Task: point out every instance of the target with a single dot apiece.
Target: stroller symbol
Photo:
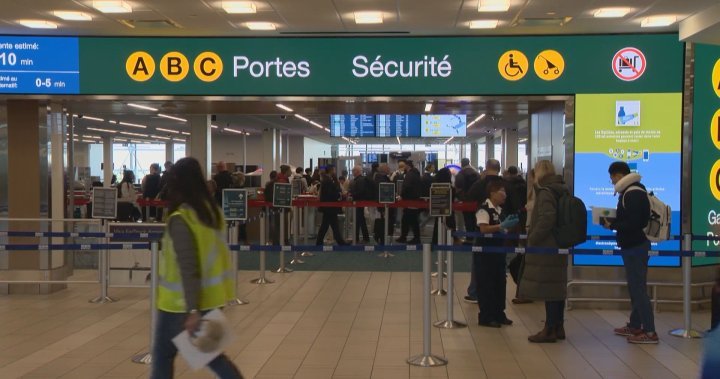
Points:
(550, 66)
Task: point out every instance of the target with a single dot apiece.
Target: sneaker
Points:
(627, 331)
(644, 338)
(470, 299)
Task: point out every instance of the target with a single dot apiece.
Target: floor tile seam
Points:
(385, 305)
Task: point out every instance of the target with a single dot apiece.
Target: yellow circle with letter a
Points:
(140, 66)
(715, 180)
(208, 66)
(174, 66)
(715, 129)
(549, 65)
(716, 78)
(513, 65)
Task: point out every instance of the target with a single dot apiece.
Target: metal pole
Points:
(687, 331)
(146, 358)
(306, 230)
(426, 359)
(386, 239)
(232, 238)
(296, 237)
(440, 272)
(263, 241)
(450, 323)
(104, 267)
(282, 269)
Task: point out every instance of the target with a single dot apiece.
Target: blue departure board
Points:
(39, 65)
(397, 125)
(443, 125)
(352, 125)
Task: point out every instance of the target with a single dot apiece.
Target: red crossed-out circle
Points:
(629, 69)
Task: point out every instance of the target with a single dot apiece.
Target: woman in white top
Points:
(127, 195)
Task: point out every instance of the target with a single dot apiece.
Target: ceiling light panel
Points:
(145, 107)
(483, 24)
(73, 16)
(260, 25)
(38, 24)
(611, 12)
(172, 117)
(493, 5)
(369, 17)
(658, 21)
(107, 6)
(239, 7)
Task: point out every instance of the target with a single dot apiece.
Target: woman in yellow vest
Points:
(195, 273)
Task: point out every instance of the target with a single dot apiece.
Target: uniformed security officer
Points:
(490, 267)
(195, 272)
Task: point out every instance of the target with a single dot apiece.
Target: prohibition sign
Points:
(629, 64)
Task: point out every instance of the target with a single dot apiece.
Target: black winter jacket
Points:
(633, 212)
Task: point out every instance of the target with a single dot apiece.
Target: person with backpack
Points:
(633, 214)
(544, 276)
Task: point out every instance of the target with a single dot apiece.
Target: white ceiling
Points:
(309, 17)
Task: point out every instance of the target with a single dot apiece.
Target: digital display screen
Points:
(397, 125)
(443, 125)
(369, 157)
(352, 125)
(39, 65)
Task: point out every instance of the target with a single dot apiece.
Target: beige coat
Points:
(544, 276)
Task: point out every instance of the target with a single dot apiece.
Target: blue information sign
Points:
(397, 125)
(39, 65)
(352, 125)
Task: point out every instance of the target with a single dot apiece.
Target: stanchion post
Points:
(687, 330)
(232, 240)
(146, 358)
(450, 323)
(104, 268)
(296, 237)
(426, 359)
(386, 238)
(306, 230)
(282, 269)
(263, 241)
(440, 272)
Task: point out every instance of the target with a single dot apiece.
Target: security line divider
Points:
(146, 358)
(450, 322)
(263, 241)
(687, 331)
(296, 235)
(439, 291)
(232, 238)
(514, 236)
(282, 269)
(426, 359)
(306, 230)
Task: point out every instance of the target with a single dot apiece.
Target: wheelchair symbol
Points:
(512, 68)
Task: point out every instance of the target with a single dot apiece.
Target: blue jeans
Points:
(164, 351)
(636, 267)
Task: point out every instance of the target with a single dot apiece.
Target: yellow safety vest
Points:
(216, 273)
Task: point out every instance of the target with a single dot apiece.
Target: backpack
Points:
(658, 227)
(571, 226)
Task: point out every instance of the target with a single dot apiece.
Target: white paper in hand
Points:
(195, 358)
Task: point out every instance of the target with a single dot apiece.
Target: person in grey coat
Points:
(544, 276)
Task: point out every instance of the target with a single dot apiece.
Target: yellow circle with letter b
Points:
(549, 65)
(140, 66)
(208, 66)
(174, 66)
(513, 65)
(715, 129)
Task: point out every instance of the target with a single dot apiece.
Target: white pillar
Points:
(169, 151)
(474, 152)
(490, 147)
(108, 161)
(201, 142)
(278, 149)
(269, 154)
(510, 147)
(56, 120)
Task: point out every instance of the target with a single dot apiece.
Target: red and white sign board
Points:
(629, 64)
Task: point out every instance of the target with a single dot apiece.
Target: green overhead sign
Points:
(536, 65)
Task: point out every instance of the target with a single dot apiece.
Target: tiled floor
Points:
(333, 325)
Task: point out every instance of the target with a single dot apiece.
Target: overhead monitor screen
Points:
(352, 125)
(397, 125)
(443, 125)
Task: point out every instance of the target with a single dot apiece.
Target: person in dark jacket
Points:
(150, 189)
(464, 180)
(361, 190)
(633, 214)
(427, 180)
(544, 276)
(330, 192)
(273, 217)
(223, 179)
(383, 176)
(410, 218)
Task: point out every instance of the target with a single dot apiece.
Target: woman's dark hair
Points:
(128, 177)
(186, 185)
(619, 168)
(443, 176)
(495, 186)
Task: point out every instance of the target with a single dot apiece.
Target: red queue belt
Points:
(302, 203)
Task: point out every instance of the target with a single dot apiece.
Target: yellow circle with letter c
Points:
(715, 180)
(513, 65)
(208, 66)
(140, 66)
